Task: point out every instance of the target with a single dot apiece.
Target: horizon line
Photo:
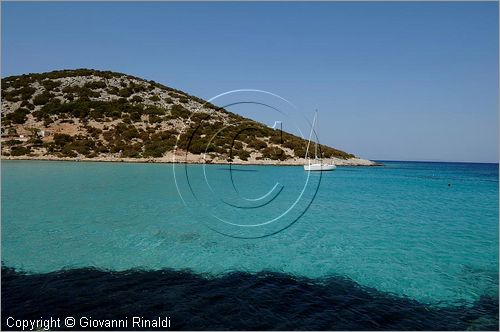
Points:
(435, 161)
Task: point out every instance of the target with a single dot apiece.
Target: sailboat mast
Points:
(316, 141)
(310, 134)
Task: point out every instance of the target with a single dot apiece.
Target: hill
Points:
(103, 115)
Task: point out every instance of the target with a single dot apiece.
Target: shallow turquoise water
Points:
(398, 228)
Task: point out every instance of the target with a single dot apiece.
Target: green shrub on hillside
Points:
(26, 92)
(276, 139)
(135, 117)
(20, 151)
(67, 151)
(177, 111)
(20, 93)
(95, 85)
(256, 144)
(274, 153)
(136, 99)
(88, 109)
(243, 154)
(136, 88)
(113, 90)
(49, 84)
(132, 151)
(12, 142)
(27, 104)
(17, 117)
(62, 139)
(130, 133)
(82, 92)
(35, 141)
(155, 149)
(154, 110)
(43, 98)
(9, 96)
(154, 119)
(125, 92)
(93, 132)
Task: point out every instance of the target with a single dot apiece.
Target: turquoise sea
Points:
(425, 231)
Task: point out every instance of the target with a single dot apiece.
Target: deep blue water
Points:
(408, 245)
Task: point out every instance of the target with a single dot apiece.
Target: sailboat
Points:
(318, 164)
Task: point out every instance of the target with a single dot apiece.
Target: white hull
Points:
(319, 167)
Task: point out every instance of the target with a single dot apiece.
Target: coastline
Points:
(197, 159)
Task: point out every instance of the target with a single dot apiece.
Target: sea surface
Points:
(408, 245)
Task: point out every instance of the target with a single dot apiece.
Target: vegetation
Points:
(49, 84)
(274, 153)
(17, 117)
(43, 98)
(20, 151)
(125, 116)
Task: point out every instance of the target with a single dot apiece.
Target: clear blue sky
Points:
(402, 81)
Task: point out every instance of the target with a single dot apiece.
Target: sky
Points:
(391, 80)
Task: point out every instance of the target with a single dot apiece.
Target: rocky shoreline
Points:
(197, 159)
